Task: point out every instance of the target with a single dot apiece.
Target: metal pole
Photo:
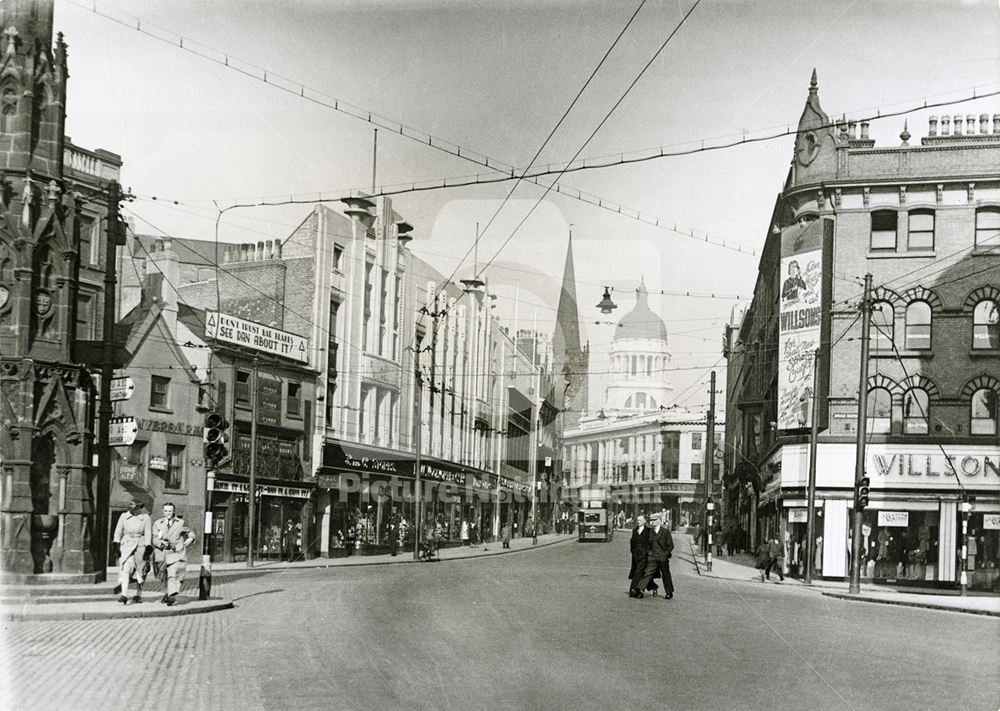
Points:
(417, 444)
(964, 575)
(205, 579)
(535, 421)
(859, 462)
(374, 158)
(102, 523)
(811, 490)
(252, 510)
(710, 465)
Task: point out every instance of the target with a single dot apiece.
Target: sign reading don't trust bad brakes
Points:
(258, 336)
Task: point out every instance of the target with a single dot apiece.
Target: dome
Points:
(641, 322)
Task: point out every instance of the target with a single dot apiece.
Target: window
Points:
(85, 317)
(918, 325)
(696, 472)
(884, 229)
(883, 318)
(367, 315)
(338, 257)
(159, 392)
(986, 325)
(87, 233)
(988, 227)
(696, 440)
(242, 395)
(8, 124)
(628, 402)
(293, 403)
(175, 467)
(984, 412)
(879, 411)
(640, 401)
(921, 230)
(916, 411)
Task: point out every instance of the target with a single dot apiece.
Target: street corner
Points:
(110, 610)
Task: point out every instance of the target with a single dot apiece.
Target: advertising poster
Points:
(799, 319)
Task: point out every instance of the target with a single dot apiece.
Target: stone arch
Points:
(987, 292)
(920, 293)
(924, 383)
(978, 383)
(883, 293)
(880, 380)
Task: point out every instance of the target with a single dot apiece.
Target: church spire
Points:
(567, 315)
(571, 360)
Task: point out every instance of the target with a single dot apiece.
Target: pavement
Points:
(97, 601)
(741, 567)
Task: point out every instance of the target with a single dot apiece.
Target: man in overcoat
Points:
(639, 547)
(133, 537)
(661, 546)
(171, 538)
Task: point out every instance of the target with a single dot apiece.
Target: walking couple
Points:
(651, 547)
(165, 541)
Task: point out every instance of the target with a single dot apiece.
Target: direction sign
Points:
(122, 389)
(122, 431)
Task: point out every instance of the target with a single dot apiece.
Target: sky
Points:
(495, 77)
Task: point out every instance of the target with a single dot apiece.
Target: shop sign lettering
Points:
(907, 465)
(442, 475)
(798, 515)
(259, 336)
(370, 464)
(158, 463)
(182, 428)
(894, 518)
(239, 487)
(991, 522)
(128, 472)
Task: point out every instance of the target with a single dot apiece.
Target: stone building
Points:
(923, 219)
(50, 298)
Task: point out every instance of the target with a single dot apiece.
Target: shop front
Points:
(914, 526)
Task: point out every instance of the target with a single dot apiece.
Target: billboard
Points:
(800, 316)
(250, 334)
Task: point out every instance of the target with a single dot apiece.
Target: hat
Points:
(135, 502)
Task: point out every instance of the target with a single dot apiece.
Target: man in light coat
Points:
(133, 537)
(171, 538)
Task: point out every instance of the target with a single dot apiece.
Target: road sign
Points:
(122, 389)
(122, 431)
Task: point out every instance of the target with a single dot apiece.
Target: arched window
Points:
(884, 229)
(8, 110)
(920, 235)
(640, 401)
(986, 325)
(984, 412)
(988, 227)
(916, 411)
(918, 325)
(628, 403)
(883, 318)
(879, 411)
(652, 403)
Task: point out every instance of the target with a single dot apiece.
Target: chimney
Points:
(864, 130)
(226, 255)
(957, 121)
(932, 126)
(852, 129)
(984, 124)
(164, 266)
(970, 125)
(246, 253)
(945, 125)
(277, 249)
(259, 254)
(996, 124)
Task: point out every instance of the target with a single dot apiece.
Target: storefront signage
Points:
(514, 486)
(991, 522)
(799, 318)
(240, 487)
(894, 518)
(482, 484)
(798, 515)
(158, 463)
(437, 474)
(250, 334)
(936, 465)
(122, 431)
(345, 457)
(128, 472)
(268, 402)
(150, 425)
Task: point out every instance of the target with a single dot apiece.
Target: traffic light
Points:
(862, 497)
(215, 438)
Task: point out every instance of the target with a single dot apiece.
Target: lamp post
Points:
(963, 579)
(811, 488)
(710, 508)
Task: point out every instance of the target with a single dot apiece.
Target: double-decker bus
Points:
(593, 518)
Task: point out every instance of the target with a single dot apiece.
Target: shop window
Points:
(986, 325)
(899, 545)
(984, 412)
(884, 229)
(916, 411)
(159, 392)
(879, 411)
(983, 559)
(918, 326)
(988, 227)
(696, 472)
(293, 403)
(883, 321)
(920, 235)
(242, 394)
(175, 467)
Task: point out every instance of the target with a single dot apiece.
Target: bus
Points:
(594, 518)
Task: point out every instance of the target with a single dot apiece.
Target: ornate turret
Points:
(816, 142)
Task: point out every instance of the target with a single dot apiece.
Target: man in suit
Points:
(639, 547)
(661, 546)
(171, 539)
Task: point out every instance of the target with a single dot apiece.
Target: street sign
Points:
(122, 389)
(122, 431)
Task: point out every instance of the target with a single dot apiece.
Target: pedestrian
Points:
(661, 546)
(717, 539)
(464, 532)
(774, 554)
(393, 533)
(639, 548)
(288, 541)
(505, 535)
(133, 536)
(171, 538)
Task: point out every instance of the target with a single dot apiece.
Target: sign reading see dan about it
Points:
(250, 334)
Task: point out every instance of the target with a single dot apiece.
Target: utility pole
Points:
(859, 461)
(811, 490)
(113, 237)
(709, 469)
(252, 509)
(536, 417)
(418, 426)
(205, 578)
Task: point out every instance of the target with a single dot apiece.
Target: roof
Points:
(641, 322)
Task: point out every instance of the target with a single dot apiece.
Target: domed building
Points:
(640, 380)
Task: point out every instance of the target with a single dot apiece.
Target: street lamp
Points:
(966, 507)
(607, 305)
(710, 507)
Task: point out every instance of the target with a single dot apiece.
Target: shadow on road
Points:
(262, 592)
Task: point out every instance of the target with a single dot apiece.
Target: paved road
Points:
(546, 629)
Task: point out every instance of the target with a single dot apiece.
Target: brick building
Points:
(924, 220)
